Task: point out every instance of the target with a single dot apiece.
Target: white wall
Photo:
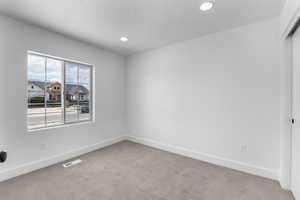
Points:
(285, 112)
(26, 149)
(288, 18)
(211, 96)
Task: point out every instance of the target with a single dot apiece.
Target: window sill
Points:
(34, 131)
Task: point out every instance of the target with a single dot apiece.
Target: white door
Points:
(296, 113)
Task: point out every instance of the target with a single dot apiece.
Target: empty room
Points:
(150, 100)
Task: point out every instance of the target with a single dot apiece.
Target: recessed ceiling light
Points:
(124, 39)
(207, 5)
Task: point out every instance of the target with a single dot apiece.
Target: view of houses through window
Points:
(59, 91)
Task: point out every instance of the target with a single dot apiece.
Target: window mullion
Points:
(78, 106)
(63, 91)
(45, 92)
(91, 92)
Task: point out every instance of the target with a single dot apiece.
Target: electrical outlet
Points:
(3, 156)
(244, 148)
(43, 147)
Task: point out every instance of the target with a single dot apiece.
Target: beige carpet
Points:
(129, 171)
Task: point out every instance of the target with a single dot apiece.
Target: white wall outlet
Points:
(244, 148)
(43, 147)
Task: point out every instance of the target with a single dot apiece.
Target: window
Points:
(59, 92)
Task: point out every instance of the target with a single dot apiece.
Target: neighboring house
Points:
(74, 93)
(54, 91)
(35, 90)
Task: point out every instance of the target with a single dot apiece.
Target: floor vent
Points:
(72, 163)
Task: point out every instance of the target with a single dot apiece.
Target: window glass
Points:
(84, 83)
(59, 92)
(36, 91)
(54, 107)
(71, 92)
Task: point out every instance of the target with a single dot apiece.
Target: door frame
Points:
(286, 95)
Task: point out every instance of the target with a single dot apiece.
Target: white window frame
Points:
(91, 95)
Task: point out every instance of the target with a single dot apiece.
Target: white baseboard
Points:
(244, 167)
(284, 184)
(26, 168)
